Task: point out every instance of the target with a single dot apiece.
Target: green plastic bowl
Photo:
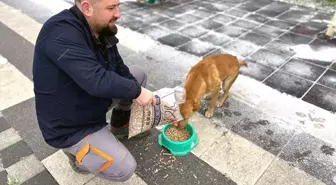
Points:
(178, 148)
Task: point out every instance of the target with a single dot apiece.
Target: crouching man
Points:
(77, 75)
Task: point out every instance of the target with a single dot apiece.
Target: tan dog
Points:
(204, 81)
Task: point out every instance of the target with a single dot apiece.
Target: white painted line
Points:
(3, 60)
(15, 87)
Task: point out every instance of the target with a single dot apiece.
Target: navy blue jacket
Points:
(75, 77)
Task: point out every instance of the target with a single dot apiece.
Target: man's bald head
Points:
(100, 14)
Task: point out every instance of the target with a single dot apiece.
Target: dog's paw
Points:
(207, 96)
(208, 114)
(219, 103)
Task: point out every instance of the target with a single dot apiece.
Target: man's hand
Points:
(146, 97)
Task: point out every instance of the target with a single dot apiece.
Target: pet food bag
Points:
(166, 110)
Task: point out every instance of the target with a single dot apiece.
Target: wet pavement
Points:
(282, 43)
(258, 137)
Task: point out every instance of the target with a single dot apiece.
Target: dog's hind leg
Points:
(226, 87)
(209, 113)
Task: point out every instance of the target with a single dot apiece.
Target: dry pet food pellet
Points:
(178, 135)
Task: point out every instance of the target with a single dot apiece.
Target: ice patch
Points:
(323, 54)
(3, 60)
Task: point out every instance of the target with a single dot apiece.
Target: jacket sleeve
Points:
(70, 52)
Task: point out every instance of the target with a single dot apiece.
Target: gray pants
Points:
(102, 153)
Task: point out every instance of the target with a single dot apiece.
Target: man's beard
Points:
(108, 30)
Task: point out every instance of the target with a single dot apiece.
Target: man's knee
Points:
(139, 73)
(121, 172)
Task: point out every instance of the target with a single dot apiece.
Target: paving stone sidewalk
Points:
(277, 40)
(240, 145)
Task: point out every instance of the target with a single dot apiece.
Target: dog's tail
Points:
(242, 63)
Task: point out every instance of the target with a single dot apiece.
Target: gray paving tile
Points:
(256, 38)
(231, 31)
(181, 1)
(269, 58)
(188, 18)
(126, 7)
(3, 176)
(41, 179)
(26, 124)
(141, 13)
(154, 18)
(242, 48)
(280, 47)
(19, 55)
(295, 16)
(245, 24)
(318, 25)
(26, 168)
(124, 20)
(333, 67)
(328, 79)
(169, 13)
(198, 48)
(255, 70)
(193, 31)
(304, 29)
(155, 32)
(12, 154)
(217, 7)
(181, 9)
(172, 24)
(322, 16)
(155, 168)
(322, 97)
(8, 138)
(137, 25)
(288, 83)
(281, 24)
(202, 13)
(236, 12)
(215, 38)
(252, 6)
(265, 131)
(257, 18)
(269, 31)
(303, 69)
(174, 40)
(200, 4)
(274, 9)
(209, 24)
(223, 19)
(317, 45)
(4, 125)
(311, 155)
(293, 38)
(229, 114)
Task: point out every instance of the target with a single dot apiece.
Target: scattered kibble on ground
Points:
(176, 134)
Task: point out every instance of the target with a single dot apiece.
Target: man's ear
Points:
(86, 8)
